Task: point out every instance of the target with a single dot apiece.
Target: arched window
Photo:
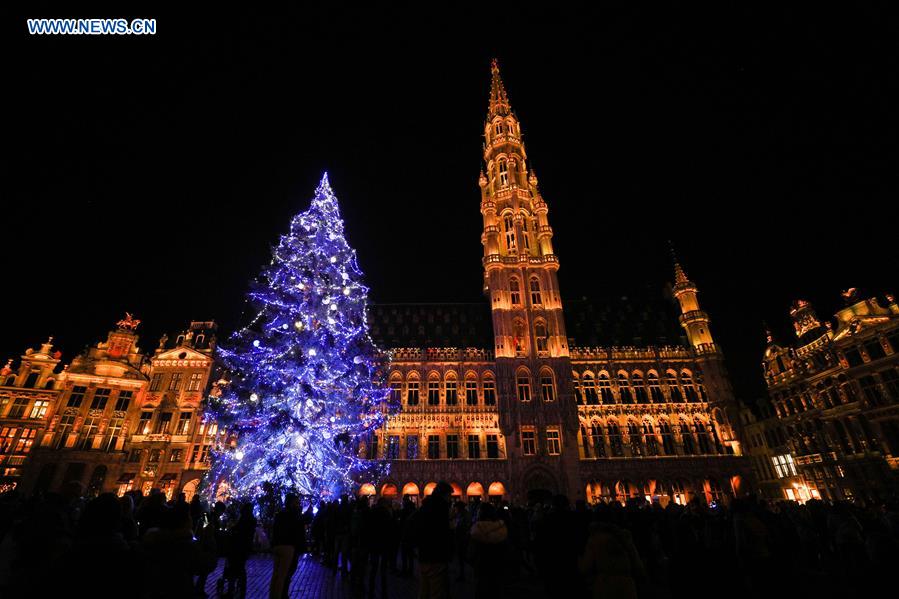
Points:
(605, 389)
(686, 379)
(471, 389)
(489, 390)
(590, 390)
(703, 437)
(598, 439)
(433, 389)
(498, 127)
(541, 336)
(523, 386)
(412, 391)
(655, 390)
(509, 226)
(525, 235)
(536, 296)
(652, 446)
(520, 338)
(585, 442)
(547, 386)
(687, 439)
(624, 388)
(503, 173)
(451, 389)
(615, 439)
(667, 438)
(673, 387)
(639, 388)
(396, 388)
(636, 438)
(515, 291)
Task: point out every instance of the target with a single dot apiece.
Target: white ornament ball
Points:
(333, 259)
(238, 454)
(254, 397)
(312, 352)
(255, 342)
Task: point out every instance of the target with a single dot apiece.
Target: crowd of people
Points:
(64, 543)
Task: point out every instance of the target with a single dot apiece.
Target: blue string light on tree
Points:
(307, 382)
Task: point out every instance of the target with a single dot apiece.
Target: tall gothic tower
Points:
(530, 343)
(695, 321)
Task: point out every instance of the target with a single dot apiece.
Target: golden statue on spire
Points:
(128, 323)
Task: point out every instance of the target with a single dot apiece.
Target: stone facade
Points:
(535, 414)
(120, 420)
(835, 394)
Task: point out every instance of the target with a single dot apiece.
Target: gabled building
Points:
(835, 391)
(28, 395)
(118, 420)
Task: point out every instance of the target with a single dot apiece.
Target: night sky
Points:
(152, 174)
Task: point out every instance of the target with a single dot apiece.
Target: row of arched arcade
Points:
(678, 490)
(474, 490)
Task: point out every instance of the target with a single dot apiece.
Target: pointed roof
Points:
(679, 275)
(499, 100)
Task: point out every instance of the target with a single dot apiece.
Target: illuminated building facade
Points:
(532, 412)
(120, 420)
(835, 394)
(27, 395)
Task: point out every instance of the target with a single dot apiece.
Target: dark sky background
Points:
(152, 174)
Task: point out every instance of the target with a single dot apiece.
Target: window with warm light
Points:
(784, 466)
(553, 442)
(184, 419)
(193, 383)
(396, 392)
(39, 410)
(175, 382)
(156, 382)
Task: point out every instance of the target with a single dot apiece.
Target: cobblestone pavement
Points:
(313, 580)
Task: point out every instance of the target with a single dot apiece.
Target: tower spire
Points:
(679, 275)
(499, 99)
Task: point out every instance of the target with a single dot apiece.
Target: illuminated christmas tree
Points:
(306, 381)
